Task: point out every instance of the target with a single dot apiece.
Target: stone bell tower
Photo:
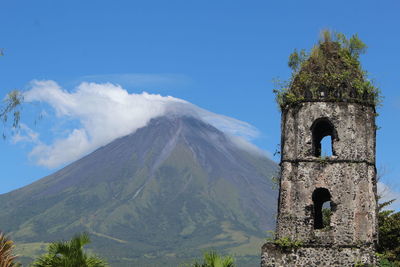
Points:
(327, 204)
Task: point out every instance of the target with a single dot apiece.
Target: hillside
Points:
(153, 198)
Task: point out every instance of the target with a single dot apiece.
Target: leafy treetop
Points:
(389, 234)
(213, 259)
(331, 71)
(69, 254)
(10, 107)
(7, 256)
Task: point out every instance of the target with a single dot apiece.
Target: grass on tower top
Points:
(330, 71)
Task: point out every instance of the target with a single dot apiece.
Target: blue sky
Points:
(218, 55)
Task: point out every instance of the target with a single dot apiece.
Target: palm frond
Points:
(7, 257)
(69, 254)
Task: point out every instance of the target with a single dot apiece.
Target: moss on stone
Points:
(286, 243)
(330, 72)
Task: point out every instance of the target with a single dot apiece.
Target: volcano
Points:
(157, 197)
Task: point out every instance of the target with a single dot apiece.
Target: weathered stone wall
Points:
(349, 175)
(353, 197)
(273, 256)
(354, 123)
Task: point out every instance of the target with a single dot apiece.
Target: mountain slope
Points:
(168, 190)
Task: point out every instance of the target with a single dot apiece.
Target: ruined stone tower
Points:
(327, 204)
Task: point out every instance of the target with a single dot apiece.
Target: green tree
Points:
(213, 259)
(69, 254)
(7, 256)
(326, 217)
(11, 106)
(389, 235)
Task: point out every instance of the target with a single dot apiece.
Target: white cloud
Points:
(387, 193)
(246, 145)
(25, 134)
(107, 111)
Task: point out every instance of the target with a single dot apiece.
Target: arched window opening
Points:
(322, 208)
(323, 128)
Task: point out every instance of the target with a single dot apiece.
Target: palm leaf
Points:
(7, 257)
(69, 254)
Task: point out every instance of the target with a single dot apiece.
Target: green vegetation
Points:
(389, 236)
(11, 105)
(7, 256)
(331, 71)
(213, 259)
(69, 254)
(386, 263)
(285, 243)
(326, 218)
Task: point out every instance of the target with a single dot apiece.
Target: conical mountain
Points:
(152, 198)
